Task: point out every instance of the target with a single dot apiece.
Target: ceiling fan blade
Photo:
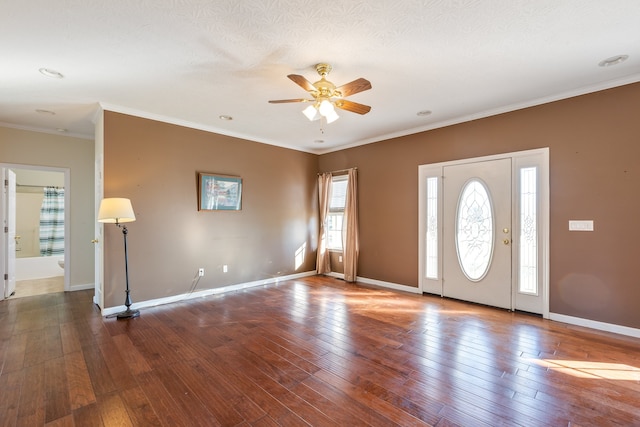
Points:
(355, 86)
(302, 82)
(282, 101)
(354, 107)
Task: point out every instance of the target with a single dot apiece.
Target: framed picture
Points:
(219, 192)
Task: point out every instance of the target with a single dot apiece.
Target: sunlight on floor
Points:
(593, 370)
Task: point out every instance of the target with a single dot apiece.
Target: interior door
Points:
(477, 232)
(9, 220)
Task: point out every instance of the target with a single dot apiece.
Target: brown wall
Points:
(594, 149)
(155, 165)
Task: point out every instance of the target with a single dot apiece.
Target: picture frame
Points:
(219, 192)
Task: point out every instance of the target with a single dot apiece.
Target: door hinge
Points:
(6, 276)
(6, 183)
(6, 229)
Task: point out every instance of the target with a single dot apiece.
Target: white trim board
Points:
(81, 287)
(394, 286)
(380, 283)
(594, 324)
(205, 292)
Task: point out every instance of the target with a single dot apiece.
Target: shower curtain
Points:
(52, 222)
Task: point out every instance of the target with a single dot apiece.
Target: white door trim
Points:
(435, 285)
(67, 213)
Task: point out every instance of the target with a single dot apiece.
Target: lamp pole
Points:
(128, 313)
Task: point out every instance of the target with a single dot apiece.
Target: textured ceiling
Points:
(190, 61)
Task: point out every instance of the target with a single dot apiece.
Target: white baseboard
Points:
(84, 287)
(593, 324)
(205, 292)
(390, 285)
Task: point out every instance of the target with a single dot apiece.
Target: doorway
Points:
(484, 230)
(35, 244)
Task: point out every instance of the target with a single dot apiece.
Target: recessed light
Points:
(424, 113)
(223, 117)
(51, 113)
(51, 73)
(614, 60)
(319, 141)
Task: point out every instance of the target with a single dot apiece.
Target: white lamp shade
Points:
(332, 116)
(326, 108)
(116, 210)
(311, 112)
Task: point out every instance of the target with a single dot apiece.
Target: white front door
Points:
(484, 230)
(477, 232)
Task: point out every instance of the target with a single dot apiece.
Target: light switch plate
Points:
(580, 225)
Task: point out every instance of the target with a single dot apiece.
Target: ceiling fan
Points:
(326, 95)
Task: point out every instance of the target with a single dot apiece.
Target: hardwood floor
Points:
(314, 351)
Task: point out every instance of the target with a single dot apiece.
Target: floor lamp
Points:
(118, 211)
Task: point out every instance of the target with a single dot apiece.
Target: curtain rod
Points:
(340, 170)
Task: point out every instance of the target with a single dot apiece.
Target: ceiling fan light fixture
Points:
(326, 96)
(312, 113)
(326, 108)
(332, 116)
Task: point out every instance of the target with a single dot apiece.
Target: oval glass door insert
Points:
(474, 230)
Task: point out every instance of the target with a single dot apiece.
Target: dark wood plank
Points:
(138, 407)
(11, 388)
(220, 396)
(62, 422)
(15, 353)
(69, 337)
(130, 354)
(193, 394)
(113, 410)
(254, 393)
(57, 402)
(79, 383)
(31, 410)
(163, 404)
(88, 416)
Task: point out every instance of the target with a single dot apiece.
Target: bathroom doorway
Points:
(35, 250)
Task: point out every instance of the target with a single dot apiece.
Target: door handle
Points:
(94, 241)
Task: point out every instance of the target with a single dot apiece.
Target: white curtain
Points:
(52, 222)
(324, 195)
(350, 237)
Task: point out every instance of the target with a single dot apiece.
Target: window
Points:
(528, 281)
(336, 212)
(474, 230)
(432, 228)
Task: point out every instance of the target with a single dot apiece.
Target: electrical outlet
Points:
(225, 268)
(201, 272)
